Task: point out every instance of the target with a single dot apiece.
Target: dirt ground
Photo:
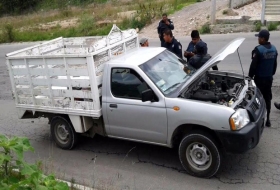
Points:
(194, 16)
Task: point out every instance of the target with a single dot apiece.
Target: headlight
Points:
(239, 119)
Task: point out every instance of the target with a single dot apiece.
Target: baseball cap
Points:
(201, 47)
(143, 40)
(263, 34)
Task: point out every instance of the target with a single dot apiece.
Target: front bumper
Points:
(248, 137)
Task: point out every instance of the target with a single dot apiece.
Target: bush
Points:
(15, 173)
(205, 29)
(272, 26)
(8, 33)
(16, 6)
(258, 26)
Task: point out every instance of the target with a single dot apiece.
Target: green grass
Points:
(272, 26)
(258, 26)
(38, 25)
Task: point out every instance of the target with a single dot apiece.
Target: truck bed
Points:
(64, 75)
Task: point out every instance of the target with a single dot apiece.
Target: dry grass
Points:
(93, 19)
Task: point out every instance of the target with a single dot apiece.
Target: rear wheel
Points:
(199, 155)
(63, 132)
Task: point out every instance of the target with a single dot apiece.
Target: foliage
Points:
(225, 12)
(205, 29)
(15, 173)
(272, 26)
(96, 18)
(258, 26)
(16, 6)
(8, 33)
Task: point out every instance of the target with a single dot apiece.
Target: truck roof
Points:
(137, 56)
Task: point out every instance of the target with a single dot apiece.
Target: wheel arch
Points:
(181, 131)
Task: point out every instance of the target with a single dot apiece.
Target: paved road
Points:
(116, 164)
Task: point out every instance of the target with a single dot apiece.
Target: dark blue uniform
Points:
(263, 67)
(191, 48)
(175, 47)
(161, 27)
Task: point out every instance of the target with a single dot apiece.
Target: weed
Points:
(205, 29)
(17, 174)
(87, 25)
(272, 26)
(225, 12)
(9, 33)
(258, 26)
(66, 13)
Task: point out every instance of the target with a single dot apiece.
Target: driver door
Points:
(129, 117)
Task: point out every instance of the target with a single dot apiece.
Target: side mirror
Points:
(147, 95)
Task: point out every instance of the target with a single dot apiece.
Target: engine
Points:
(222, 90)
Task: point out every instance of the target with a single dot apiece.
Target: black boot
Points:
(277, 105)
(268, 124)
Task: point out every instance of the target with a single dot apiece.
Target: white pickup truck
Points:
(112, 87)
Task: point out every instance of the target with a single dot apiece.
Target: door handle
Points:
(113, 106)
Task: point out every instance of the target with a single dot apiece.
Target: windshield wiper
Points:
(172, 86)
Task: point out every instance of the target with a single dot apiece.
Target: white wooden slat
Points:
(76, 50)
(21, 81)
(54, 82)
(83, 105)
(50, 71)
(78, 72)
(17, 62)
(54, 61)
(24, 91)
(58, 102)
(20, 71)
(76, 60)
(67, 93)
(59, 71)
(35, 61)
(70, 111)
(44, 91)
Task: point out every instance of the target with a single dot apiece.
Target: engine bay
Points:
(219, 88)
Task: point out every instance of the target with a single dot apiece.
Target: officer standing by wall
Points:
(171, 43)
(164, 24)
(263, 67)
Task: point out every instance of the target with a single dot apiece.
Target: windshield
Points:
(167, 71)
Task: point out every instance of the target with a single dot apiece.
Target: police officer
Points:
(263, 67)
(164, 24)
(201, 56)
(191, 47)
(171, 43)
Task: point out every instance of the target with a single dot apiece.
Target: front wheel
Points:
(199, 155)
(63, 133)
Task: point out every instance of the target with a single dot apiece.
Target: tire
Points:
(199, 155)
(63, 133)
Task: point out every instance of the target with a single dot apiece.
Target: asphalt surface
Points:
(114, 164)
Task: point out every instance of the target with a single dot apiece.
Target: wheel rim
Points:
(199, 156)
(61, 133)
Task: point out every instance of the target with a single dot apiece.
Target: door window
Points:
(127, 83)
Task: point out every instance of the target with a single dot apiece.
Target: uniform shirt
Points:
(162, 26)
(256, 61)
(198, 60)
(175, 47)
(191, 48)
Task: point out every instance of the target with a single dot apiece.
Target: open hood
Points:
(218, 57)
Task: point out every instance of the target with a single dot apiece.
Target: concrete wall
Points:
(239, 3)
